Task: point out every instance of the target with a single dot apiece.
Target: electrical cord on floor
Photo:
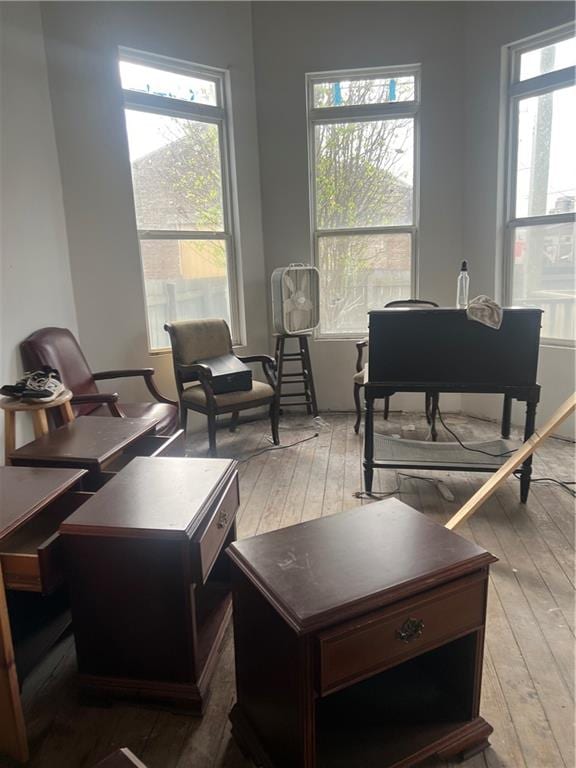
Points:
(565, 484)
(468, 447)
(442, 489)
(277, 448)
(374, 494)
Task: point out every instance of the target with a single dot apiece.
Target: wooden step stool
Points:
(302, 376)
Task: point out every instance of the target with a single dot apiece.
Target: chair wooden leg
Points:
(357, 388)
(234, 421)
(183, 418)
(9, 434)
(67, 413)
(40, 421)
(386, 408)
(428, 407)
(279, 354)
(274, 418)
(212, 434)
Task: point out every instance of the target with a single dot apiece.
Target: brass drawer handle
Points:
(222, 520)
(410, 630)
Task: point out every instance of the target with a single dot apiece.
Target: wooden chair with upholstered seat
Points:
(196, 340)
(58, 348)
(361, 367)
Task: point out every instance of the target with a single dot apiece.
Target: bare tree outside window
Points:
(362, 153)
(176, 129)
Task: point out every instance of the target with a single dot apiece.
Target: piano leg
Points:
(506, 415)
(369, 445)
(434, 398)
(526, 472)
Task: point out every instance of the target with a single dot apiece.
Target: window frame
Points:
(516, 90)
(216, 115)
(360, 113)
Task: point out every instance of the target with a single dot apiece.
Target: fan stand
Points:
(290, 378)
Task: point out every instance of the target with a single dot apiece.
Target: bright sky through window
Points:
(172, 85)
(176, 126)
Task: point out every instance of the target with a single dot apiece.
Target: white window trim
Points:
(219, 115)
(357, 113)
(516, 89)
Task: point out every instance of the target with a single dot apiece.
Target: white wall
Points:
(35, 284)
(82, 42)
(489, 27)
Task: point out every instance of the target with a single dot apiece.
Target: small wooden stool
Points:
(303, 376)
(11, 406)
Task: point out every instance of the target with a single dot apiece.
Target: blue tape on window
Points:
(337, 95)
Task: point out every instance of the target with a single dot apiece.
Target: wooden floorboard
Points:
(528, 681)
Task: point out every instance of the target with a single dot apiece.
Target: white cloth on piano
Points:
(485, 310)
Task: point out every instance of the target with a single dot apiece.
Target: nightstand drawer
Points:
(158, 445)
(208, 541)
(31, 557)
(371, 643)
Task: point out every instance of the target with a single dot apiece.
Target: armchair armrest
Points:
(98, 398)
(268, 366)
(146, 373)
(360, 346)
(199, 369)
(203, 375)
(123, 373)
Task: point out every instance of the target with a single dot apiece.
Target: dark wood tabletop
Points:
(25, 491)
(86, 441)
(345, 563)
(153, 497)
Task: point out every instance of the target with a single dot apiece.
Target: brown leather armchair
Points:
(58, 348)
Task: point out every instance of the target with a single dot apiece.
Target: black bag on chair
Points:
(228, 374)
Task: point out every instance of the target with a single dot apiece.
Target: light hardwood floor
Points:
(528, 672)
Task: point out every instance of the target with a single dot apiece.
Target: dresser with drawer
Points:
(149, 582)
(33, 607)
(359, 641)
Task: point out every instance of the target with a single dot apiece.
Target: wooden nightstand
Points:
(102, 447)
(359, 641)
(149, 582)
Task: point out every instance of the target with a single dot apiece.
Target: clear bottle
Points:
(463, 287)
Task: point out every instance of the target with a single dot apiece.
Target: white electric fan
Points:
(295, 299)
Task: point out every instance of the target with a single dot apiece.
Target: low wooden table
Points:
(11, 406)
(102, 446)
(33, 502)
(359, 641)
(148, 579)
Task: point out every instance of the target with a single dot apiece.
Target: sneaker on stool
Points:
(43, 387)
(15, 390)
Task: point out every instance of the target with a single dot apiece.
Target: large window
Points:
(177, 136)
(540, 235)
(362, 153)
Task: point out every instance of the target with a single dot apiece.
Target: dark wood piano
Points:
(440, 350)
